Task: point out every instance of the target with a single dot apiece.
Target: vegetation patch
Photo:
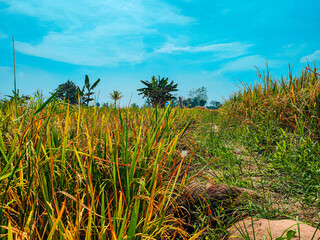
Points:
(88, 172)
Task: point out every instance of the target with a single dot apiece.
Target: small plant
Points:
(290, 234)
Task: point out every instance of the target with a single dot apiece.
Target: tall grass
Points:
(74, 172)
(279, 119)
(291, 102)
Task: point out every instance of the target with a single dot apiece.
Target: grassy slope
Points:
(268, 141)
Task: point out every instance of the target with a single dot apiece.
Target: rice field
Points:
(78, 172)
(73, 172)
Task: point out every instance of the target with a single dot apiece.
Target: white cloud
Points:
(289, 45)
(170, 48)
(3, 35)
(244, 64)
(81, 12)
(4, 69)
(249, 63)
(96, 33)
(79, 50)
(312, 57)
(224, 50)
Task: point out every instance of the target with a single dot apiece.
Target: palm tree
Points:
(115, 96)
(158, 91)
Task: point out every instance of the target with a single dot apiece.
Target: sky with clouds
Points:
(196, 43)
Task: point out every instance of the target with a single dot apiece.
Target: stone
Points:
(217, 194)
(277, 228)
(199, 195)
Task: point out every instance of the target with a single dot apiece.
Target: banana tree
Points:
(86, 91)
(158, 91)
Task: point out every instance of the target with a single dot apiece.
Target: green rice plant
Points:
(76, 172)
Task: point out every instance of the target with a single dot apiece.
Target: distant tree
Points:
(147, 103)
(68, 91)
(106, 105)
(16, 96)
(197, 97)
(86, 91)
(175, 102)
(134, 105)
(116, 96)
(214, 105)
(158, 91)
(187, 102)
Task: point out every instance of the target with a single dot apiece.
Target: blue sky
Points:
(193, 42)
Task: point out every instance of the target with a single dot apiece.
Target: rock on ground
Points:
(265, 227)
(216, 194)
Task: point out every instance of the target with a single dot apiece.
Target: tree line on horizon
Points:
(157, 92)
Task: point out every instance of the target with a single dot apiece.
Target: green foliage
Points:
(134, 105)
(91, 173)
(214, 105)
(197, 97)
(68, 91)
(147, 103)
(188, 103)
(43, 105)
(290, 235)
(279, 120)
(86, 92)
(292, 103)
(116, 96)
(174, 102)
(107, 173)
(16, 97)
(158, 91)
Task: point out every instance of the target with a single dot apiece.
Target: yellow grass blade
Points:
(56, 222)
(197, 234)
